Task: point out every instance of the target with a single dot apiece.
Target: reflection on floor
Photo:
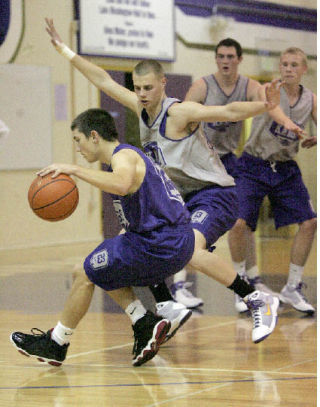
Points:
(211, 362)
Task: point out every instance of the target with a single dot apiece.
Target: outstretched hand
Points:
(55, 38)
(272, 91)
(294, 128)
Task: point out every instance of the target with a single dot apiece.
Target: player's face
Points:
(292, 67)
(85, 146)
(149, 88)
(227, 60)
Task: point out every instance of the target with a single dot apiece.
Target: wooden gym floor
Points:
(210, 362)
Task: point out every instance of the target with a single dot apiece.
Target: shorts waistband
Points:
(268, 163)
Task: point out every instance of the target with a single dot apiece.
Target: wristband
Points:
(65, 51)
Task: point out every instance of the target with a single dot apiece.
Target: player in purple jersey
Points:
(267, 168)
(157, 242)
(222, 87)
(182, 121)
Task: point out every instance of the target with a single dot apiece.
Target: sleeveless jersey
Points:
(157, 202)
(271, 141)
(224, 136)
(191, 163)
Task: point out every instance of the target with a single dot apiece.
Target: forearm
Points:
(237, 111)
(92, 72)
(106, 181)
(278, 116)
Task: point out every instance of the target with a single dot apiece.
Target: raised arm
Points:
(96, 75)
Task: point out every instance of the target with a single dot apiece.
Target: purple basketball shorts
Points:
(133, 259)
(283, 184)
(214, 211)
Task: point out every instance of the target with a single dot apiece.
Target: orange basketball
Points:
(53, 199)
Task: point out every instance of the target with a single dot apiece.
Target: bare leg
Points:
(237, 238)
(210, 263)
(303, 242)
(80, 298)
(251, 257)
(123, 296)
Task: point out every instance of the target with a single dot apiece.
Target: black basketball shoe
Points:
(40, 345)
(149, 333)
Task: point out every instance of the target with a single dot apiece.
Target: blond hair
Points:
(147, 66)
(295, 51)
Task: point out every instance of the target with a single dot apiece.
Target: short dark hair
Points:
(96, 119)
(149, 65)
(230, 42)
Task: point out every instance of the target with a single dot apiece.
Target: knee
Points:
(79, 276)
(240, 227)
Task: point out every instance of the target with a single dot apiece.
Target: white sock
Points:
(295, 275)
(240, 267)
(61, 334)
(135, 311)
(180, 276)
(253, 272)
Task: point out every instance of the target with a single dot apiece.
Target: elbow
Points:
(122, 189)
(123, 192)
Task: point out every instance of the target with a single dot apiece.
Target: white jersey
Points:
(224, 136)
(271, 141)
(190, 162)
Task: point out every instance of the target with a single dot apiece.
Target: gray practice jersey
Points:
(271, 141)
(224, 136)
(190, 162)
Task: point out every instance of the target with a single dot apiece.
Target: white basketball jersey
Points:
(191, 163)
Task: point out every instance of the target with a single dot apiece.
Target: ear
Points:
(95, 136)
(240, 59)
(164, 81)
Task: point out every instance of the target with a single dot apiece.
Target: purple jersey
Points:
(157, 202)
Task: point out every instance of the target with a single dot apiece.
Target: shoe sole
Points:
(285, 301)
(274, 310)
(182, 322)
(51, 362)
(151, 349)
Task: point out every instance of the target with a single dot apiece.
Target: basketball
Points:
(53, 199)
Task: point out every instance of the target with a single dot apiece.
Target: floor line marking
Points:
(131, 343)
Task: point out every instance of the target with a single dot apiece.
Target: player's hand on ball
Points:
(57, 169)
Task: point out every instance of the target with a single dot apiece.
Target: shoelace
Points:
(33, 331)
(257, 319)
(254, 306)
